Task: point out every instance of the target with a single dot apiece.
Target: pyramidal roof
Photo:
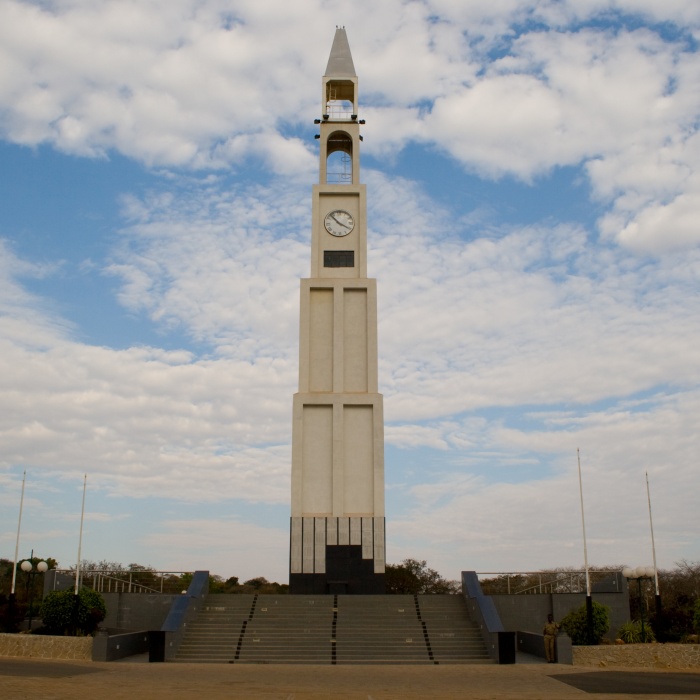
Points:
(340, 61)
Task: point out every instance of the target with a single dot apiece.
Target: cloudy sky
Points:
(533, 187)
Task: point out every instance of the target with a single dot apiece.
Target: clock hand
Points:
(339, 222)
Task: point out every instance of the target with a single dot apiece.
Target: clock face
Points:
(339, 223)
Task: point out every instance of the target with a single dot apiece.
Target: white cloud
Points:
(561, 98)
(225, 267)
(162, 82)
(149, 421)
(25, 318)
(665, 226)
(409, 436)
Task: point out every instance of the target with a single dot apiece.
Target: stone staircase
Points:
(215, 635)
(453, 637)
(379, 629)
(288, 630)
(341, 629)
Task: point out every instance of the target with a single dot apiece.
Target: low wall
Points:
(40, 646)
(641, 655)
(110, 647)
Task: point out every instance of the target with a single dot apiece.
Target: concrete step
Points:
(333, 630)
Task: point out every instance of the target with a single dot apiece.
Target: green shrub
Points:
(628, 633)
(575, 624)
(631, 632)
(696, 616)
(59, 614)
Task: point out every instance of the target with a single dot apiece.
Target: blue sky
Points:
(533, 191)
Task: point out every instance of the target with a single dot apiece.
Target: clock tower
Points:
(337, 521)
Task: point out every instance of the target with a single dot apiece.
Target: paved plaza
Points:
(56, 680)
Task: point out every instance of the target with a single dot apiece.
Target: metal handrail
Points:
(134, 587)
(124, 580)
(541, 586)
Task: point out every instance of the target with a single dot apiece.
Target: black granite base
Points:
(346, 572)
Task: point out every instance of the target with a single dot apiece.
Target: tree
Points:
(679, 588)
(575, 624)
(413, 577)
(60, 616)
(261, 585)
(257, 583)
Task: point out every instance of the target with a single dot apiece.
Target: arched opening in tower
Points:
(339, 161)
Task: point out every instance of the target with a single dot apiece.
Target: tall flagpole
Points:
(589, 600)
(583, 525)
(653, 546)
(19, 525)
(80, 538)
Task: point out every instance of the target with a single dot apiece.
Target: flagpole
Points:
(80, 538)
(19, 525)
(583, 525)
(589, 600)
(651, 527)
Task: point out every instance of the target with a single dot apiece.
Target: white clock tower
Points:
(337, 524)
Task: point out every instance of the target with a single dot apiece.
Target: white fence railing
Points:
(538, 582)
(137, 581)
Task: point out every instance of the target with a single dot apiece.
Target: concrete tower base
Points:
(337, 555)
(347, 573)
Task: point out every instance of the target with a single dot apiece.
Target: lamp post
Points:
(28, 568)
(641, 573)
